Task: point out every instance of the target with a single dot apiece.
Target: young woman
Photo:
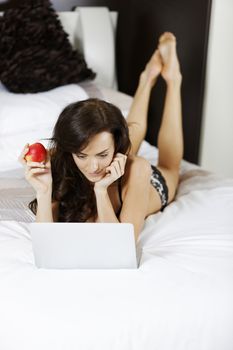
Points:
(93, 172)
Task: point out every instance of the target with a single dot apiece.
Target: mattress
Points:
(179, 298)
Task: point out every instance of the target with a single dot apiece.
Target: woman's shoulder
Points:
(136, 168)
(137, 163)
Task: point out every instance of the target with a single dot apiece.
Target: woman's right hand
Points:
(37, 174)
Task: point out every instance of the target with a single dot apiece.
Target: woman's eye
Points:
(103, 155)
(80, 156)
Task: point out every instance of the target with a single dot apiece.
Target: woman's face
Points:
(93, 160)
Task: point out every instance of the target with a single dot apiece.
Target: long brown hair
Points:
(76, 125)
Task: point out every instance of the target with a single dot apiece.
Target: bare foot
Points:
(167, 49)
(152, 69)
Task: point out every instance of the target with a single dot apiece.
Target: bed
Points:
(179, 298)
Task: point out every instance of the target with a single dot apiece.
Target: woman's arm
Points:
(113, 172)
(104, 206)
(136, 197)
(39, 176)
(44, 207)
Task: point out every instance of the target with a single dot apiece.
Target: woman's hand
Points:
(113, 172)
(37, 174)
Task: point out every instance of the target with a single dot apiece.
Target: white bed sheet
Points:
(180, 297)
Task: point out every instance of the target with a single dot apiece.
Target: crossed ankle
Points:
(175, 80)
(146, 80)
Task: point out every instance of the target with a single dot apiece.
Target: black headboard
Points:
(139, 27)
(138, 32)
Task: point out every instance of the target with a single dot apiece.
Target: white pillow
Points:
(20, 112)
(28, 118)
(11, 146)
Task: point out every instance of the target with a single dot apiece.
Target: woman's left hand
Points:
(113, 172)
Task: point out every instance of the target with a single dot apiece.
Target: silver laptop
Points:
(84, 245)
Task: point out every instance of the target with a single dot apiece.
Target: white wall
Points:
(216, 151)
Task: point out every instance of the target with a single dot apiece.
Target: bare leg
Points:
(170, 137)
(137, 118)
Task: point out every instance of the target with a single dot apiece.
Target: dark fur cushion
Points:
(35, 53)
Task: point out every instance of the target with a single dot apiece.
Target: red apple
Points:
(36, 153)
